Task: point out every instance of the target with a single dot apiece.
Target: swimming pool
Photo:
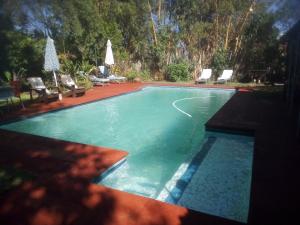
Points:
(162, 128)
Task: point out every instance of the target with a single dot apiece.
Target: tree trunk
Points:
(217, 23)
(227, 33)
(153, 24)
(159, 10)
(239, 32)
(198, 66)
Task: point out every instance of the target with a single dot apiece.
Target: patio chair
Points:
(98, 81)
(204, 76)
(226, 75)
(69, 83)
(112, 78)
(37, 85)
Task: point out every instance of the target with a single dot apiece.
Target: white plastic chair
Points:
(205, 76)
(226, 75)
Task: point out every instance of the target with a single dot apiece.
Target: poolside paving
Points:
(63, 193)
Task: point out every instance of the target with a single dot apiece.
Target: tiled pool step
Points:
(176, 186)
(217, 181)
(137, 185)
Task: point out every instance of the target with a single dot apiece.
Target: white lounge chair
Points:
(113, 78)
(39, 87)
(69, 83)
(204, 77)
(226, 75)
(98, 81)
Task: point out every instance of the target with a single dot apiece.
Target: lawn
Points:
(25, 96)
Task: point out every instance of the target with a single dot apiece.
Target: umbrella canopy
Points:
(51, 59)
(109, 58)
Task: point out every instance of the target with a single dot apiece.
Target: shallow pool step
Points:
(174, 189)
(137, 185)
(221, 184)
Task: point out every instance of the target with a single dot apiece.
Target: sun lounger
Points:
(226, 75)
(113, 78)
(204, 77)
(39, 87)
(98, 81)
(69, 83)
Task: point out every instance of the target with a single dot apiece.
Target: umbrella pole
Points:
(59, 93)
(55, 80)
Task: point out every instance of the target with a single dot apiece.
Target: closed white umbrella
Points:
(109, 58)
(51, 59)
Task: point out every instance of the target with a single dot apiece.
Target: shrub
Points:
(220, 61)
(84, 81)
(8, 76)
(177, 72)
(86, 67)
(69, 67)
(145, 75)
(131, 75)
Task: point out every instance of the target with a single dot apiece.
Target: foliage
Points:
(145, 75)
(220, 61)
(8, 76)
(131, 75)
(69, 67)
(21, 53)
(214, 32)
(83, 81)
(86, 67)
(177, 72)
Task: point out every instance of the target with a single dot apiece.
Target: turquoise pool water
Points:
(162, 128)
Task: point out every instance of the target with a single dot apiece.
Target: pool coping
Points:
(195, 214)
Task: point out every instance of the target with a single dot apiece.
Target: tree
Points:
(156, 33)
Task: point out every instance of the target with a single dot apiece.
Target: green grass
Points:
(25, 96)
(11, 177)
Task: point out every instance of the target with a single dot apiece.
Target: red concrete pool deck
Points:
(93, 94)
(63, 193)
